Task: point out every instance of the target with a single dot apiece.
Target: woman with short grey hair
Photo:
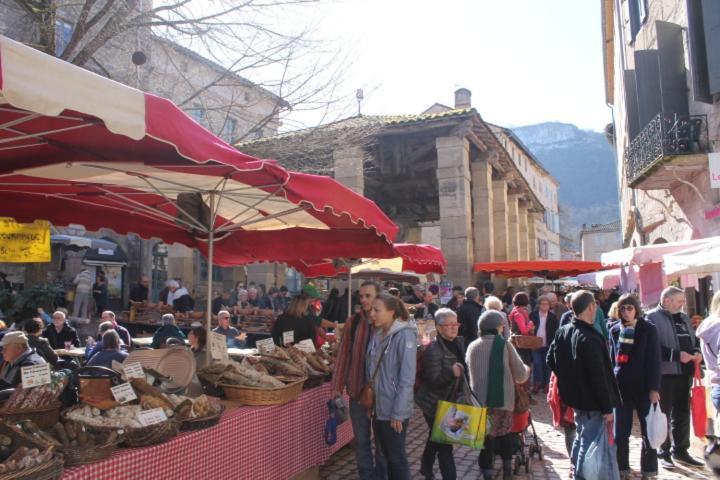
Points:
(494, 303)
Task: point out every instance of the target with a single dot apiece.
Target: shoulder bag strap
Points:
(377, 365)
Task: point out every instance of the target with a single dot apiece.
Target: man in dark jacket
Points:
(678, 352)
(168, 330)
(60, 332)
(109, 316)
(16, 354)
(33, 328)
(443, 363)
(469, 313)
(546, 325)
(579, 357)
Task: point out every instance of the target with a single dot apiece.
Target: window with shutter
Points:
(631, 104)
(638, 14)
(697, 52)
(711, 25)
(647, 82)
(671, 63)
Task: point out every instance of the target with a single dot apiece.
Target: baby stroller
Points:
(526, 442)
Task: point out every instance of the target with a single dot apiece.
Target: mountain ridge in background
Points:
(584, 163)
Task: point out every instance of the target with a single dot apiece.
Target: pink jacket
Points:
(521, 318)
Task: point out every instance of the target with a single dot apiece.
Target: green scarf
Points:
(496, 375)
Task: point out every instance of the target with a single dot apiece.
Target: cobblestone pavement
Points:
(555, 464)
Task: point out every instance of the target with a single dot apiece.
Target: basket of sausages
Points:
(23, 457)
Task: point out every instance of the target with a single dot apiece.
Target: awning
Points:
(649, 253)
(113, 256)
(697, 260)
(605, 279)
(550, 269)
(81, 242)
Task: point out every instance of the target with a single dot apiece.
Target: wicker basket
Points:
(84, 455)
(261, 396)
(202, 422)
(527, 342)
(50, 470)
(44, 417)
(154, 434)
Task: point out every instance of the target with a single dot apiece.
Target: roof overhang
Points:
(608, 47)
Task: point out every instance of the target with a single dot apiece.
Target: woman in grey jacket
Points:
(392, 351)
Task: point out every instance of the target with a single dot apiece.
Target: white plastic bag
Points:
(656, 426)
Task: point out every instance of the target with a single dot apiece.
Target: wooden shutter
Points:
(631, 104)
(671, 63)
(711, 25)
(647, 82)
(697, 52)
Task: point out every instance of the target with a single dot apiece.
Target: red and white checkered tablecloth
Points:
(259, 443)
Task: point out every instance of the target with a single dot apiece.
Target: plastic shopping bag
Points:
(698, 407)
(600, 461)
(656, 426)
(460, 424)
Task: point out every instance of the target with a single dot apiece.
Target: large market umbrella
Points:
(76, 147)
(551, 269)
(650, 253)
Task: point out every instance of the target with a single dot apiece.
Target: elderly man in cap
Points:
(168, 330)
(16, 354)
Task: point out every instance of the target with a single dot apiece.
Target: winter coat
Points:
(57, 339)
(396, 376)
(551, 325)
(468, 315)
(709, 334)
(437, 377)
(579, 357)
(642, 372)
(668, 337)
(10, 373)
(165, 332)
(104, 358)
(43, 348)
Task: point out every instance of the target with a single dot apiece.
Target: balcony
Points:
(670, 148)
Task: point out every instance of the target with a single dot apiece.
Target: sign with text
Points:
(24, 242)
(218, 346)
(306, 346)
(714, 159)
(123, 393)
(265, 346)
(151, 417)
(288, 337)
(35, 375)
(134, 370)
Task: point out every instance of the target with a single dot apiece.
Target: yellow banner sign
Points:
(24, 242)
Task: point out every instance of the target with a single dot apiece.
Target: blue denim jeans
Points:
(588, 427)
(541, 370)
(368, 468)
(715, 395)
(393, 447)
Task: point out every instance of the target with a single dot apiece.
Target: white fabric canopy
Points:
(700, 259)
(650, 253)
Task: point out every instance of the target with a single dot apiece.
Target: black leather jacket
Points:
(437, 379)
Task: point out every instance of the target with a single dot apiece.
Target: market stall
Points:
(547, 269)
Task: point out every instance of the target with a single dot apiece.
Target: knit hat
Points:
(490, 320)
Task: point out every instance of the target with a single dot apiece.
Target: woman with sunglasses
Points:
(635, 352)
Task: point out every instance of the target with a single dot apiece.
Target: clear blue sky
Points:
(525, 61)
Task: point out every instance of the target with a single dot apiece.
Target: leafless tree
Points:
(266, 41)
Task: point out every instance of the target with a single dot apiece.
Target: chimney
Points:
(462, 98)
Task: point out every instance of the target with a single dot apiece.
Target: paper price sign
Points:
(151, 417)
(288, 337)
(265, 346)
(123, 393)
(218, 346)
(35, 375)
(306, 346)
(134, 370)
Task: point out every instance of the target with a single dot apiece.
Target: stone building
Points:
(226, 104)
(597, 239)
(662, 79)
(446, 177)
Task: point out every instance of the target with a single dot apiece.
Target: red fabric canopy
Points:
(79, 148)
(416, 258)
(541, 268)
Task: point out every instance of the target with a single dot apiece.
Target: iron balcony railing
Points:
(666, 135)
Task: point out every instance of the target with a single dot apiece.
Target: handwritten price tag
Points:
(306, 346)
(123, 393)
(288, 337)
(265, 346)
(35, 375)
(134, 370)
(151, 417)
(218, 346)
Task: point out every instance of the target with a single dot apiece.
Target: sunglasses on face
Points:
(625, 308)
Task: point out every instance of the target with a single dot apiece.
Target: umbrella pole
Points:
(211, 248)
(350, 312)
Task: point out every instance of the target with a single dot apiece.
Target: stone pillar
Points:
(523, 227)
(500, 228)
(348, 167)
(482, 195)
(513, 227)
(532, 236)
(453, 174)
(181, 264)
